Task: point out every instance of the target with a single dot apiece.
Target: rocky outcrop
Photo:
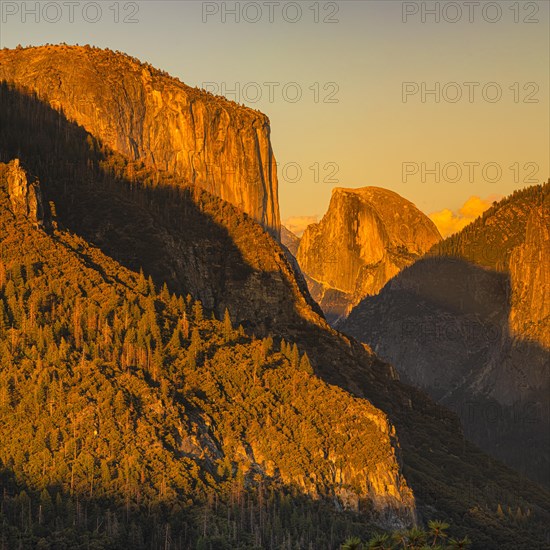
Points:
(470, 325)
(366, 237)
(146, 115)
(353, 468)
(25, 194)
(529, 268)
(290, 240)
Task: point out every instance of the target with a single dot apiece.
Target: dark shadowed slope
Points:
(471, 326)
(291, 241)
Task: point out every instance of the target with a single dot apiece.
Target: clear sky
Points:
(351, 62)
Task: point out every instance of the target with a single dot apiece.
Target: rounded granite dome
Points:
(366, 237)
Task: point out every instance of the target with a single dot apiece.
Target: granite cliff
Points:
(470, 324)
(149, 116)
(366, 237)
(529, 268)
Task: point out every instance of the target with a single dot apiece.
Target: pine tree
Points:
(227, 326)
(142, 286)
(175, 343)
(294, 357)
(267, 346)
(194, 348)
(197, 311)
(305, 364)
(165, 293)
(185, 326)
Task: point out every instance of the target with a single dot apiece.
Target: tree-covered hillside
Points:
(130, 416)
(489, 240)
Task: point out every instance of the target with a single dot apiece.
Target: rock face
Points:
(471, 324)
(529, 267)
(25, 195)
(366, 237)
(290, 240)
(146, 115)
(342, 472)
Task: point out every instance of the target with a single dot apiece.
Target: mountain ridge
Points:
(152, 379)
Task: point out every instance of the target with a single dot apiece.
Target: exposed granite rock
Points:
(290, 240)
(529, 268)
(147, 115)
(366, 237)
(357, 467)
(25, 194)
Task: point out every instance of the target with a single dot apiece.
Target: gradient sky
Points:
(363, 59)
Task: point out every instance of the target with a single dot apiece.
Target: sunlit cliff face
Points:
(146, 115)
(366, 237)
